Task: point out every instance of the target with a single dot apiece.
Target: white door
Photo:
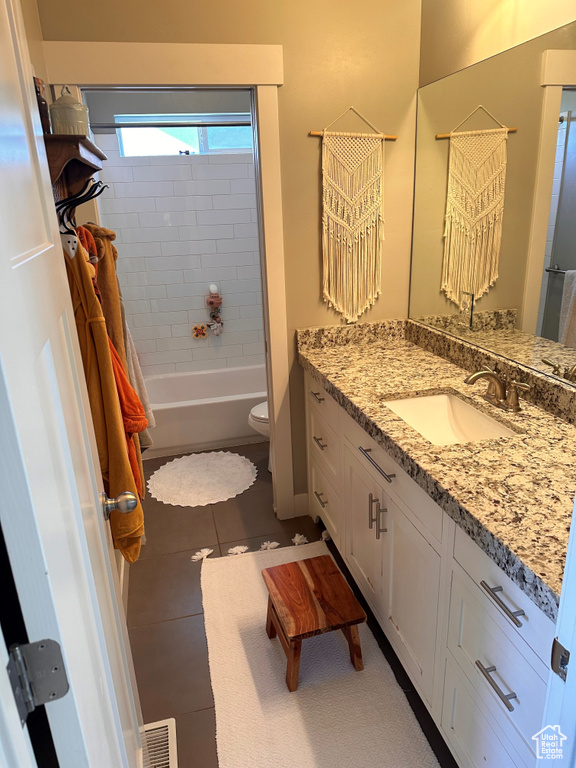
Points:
(560, 706)
(58, 543)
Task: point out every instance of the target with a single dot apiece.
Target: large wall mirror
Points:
(519, 316)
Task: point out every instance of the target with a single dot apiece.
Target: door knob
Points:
(124, 503)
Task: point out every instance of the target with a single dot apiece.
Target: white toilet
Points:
(258, 420)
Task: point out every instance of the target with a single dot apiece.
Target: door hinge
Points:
(560, 659)
(37, 675)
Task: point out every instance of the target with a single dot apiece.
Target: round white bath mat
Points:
(202, 478)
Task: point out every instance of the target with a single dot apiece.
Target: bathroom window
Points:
(179, 134)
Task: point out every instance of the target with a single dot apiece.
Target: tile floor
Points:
(165, 619)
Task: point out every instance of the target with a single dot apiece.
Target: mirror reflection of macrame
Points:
(352, 221)
(474, 210)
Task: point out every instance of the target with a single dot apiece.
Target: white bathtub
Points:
(207, 409)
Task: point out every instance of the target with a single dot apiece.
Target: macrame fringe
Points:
(474, 211)
(352, 222)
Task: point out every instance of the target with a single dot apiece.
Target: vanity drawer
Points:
(536, 629)
(471, 736)
(493, 663)
(324, 446)
(324, 502)
(402, 488)
(321, 400)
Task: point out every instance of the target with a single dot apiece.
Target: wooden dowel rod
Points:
(384, 136)
(447, 135)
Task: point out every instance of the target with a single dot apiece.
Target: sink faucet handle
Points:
(512, 402)
(556, 370)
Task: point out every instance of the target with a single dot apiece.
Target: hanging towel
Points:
(127, 529)
(567, 330)
(132, 414)
(137, 381)
(108, 285)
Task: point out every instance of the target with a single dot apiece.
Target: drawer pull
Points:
(373, 518)
(512, 615)
(318, 441)
(504, 697)
(316, 396)
(379, 529)
(320, 499)
(366, 453)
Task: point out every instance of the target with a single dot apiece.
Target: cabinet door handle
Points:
(366, 453)
(512, 615)
(320, 500)
(316, 396)
(379, 529)
(504, 697)
(318, 441)
(373, 518)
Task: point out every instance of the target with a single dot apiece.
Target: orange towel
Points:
(107, 417)
(133, 414)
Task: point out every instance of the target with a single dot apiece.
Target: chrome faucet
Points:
(500, 395)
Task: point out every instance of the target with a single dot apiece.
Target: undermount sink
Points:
(445, 419)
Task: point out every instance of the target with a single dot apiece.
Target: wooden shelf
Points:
(72, 159)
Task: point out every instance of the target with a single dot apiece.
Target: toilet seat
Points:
(260, 413)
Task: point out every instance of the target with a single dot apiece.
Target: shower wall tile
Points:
(228, 259)
(235, 201)
(224, 216)
(229, 171)
(243, 187)
(167, 219)
(183, 223)
(179, 248)
(126, 205)
(189, 203)
(161, 173)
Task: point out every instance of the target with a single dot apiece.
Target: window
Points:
(198, 134)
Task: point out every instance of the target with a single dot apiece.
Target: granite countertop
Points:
(523, 348)
(513, 495)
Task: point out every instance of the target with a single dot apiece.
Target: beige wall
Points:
(458, 33)
(335, 55)
(509, 86)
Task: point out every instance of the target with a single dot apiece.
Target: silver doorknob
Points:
(124, 503)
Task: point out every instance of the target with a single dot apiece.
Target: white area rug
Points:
(338, 718)
(202, 478)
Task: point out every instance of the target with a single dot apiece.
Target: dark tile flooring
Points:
(165, 619)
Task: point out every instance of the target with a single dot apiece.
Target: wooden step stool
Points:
(307, 598)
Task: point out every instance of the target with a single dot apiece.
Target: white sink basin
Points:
(446, 419)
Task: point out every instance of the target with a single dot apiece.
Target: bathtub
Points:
(205, 409)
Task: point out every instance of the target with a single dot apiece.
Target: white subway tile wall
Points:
(183, 223)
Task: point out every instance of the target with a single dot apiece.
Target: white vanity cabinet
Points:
(475, 646)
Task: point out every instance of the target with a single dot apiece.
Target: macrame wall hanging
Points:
(352, 218)
(474, 210)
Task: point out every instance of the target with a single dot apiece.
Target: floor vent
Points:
(160, 739)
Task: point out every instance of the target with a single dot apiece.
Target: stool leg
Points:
(270, 628)
(351, 634)
(293, 666)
